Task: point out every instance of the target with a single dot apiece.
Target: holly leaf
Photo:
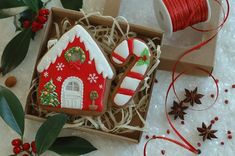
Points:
(4, 13)
(72, 146)
(49, 131)
(11, 7)
(15, 51)
(40, 4)
(11, 110)
(33, 4)
(6, 4)
(72, 4)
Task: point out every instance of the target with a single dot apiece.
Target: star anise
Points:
(193, 97)
(178, 110)
(206, 132)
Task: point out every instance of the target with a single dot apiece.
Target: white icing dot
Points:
(101, 86)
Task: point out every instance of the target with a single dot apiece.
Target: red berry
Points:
(216, 118)
(233, 86)
(34, 150)
(182, 122)
(16, 150)
(16, 142)
(33, 145)
(168, 131)
(226, 102)
(230, 136)
(222, 143)
(26, 146)
(41, 19)
(229, 132)
(26, 24)
(199, 144)
(212, 121)
(36, 26)
(212, 95)
(146, 137)
(43, 12)
(154, 137)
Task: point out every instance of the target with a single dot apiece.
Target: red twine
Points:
(185, 13)
(180, 22)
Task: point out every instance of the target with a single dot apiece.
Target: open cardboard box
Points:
(57, 15)
(173, 47)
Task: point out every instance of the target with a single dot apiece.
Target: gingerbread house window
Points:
(72, 93)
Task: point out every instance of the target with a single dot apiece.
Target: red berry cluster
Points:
(229, 134)
(38, 23)
(19, 147)
(213, 121)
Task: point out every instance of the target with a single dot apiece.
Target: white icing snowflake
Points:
(89, 62)
(60, 66)
(92, 78)
(46, 74)
(59, 78)
(101, 86)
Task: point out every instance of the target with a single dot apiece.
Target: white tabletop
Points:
(157, 123)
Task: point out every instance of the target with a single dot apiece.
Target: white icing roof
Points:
(101, 63)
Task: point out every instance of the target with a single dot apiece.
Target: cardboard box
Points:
(203, 58)
(56, 16)
(111, 8)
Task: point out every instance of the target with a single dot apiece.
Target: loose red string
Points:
(180, 20)
(186, 145)
(200, 45)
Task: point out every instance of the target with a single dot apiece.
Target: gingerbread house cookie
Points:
(75, 75)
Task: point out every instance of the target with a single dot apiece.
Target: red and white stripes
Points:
(132, 78)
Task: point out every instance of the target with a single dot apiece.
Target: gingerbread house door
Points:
(72, 93)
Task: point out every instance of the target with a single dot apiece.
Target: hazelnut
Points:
(11, 81)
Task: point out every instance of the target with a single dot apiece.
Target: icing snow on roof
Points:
(101, 63)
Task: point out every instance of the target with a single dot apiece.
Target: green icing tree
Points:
(48, 96)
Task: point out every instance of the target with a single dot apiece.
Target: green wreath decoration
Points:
(74, 54)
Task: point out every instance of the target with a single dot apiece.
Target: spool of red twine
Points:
(175, 15)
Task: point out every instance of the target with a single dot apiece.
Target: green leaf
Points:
(72, 4)
(72, 146)
(145, 52)
(32, 4)
(49, 131)
(4, 4)
(40, 4)
(4, 13)
(11, 110)
(15, 51)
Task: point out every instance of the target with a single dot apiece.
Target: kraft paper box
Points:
(57, 15)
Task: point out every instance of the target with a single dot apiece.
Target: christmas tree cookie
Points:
(75, 75)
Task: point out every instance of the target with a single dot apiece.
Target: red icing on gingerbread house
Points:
(74, 74)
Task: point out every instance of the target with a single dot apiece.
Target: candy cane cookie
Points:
(131, 79)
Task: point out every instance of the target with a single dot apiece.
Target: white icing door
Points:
(72, 93)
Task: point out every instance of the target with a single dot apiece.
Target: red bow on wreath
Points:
(75, 65)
